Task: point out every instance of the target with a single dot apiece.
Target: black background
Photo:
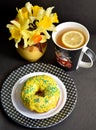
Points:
(84, 11)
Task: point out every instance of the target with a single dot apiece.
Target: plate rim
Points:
(50, 67)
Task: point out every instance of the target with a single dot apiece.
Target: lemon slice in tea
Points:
(73, 39)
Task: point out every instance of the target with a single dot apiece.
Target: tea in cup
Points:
(71, 39)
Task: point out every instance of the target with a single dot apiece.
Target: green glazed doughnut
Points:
(40, 93)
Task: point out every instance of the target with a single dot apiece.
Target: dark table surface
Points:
(84, 115)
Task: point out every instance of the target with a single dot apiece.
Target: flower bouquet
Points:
(30, 30)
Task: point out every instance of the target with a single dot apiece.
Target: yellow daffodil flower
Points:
(32, 24)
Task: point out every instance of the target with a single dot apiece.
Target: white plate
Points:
(17, 101)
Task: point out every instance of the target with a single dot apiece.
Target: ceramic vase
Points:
(32, 53)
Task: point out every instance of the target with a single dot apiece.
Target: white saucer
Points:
(17, 101)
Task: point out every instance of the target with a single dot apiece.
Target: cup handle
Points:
(91, 55)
